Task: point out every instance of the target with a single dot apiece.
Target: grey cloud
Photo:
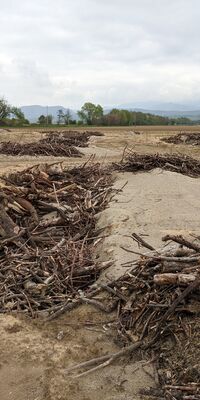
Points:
(109, 51)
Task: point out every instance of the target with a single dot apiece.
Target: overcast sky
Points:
(67, 52)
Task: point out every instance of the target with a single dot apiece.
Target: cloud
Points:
(105, 51)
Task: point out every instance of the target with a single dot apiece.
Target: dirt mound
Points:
(135, 162)
(184, 138)
(47, 221)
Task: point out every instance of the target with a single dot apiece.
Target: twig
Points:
(136, 237)
(103, 361)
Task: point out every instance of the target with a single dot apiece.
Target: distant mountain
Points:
(193, 115)
(172, 110)
(150, 105)
(32, 113)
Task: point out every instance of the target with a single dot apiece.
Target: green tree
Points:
(67, 117)
(60, 116)
(90, 113)
(5, 109)
(49, 119)
(19, 117)
(17, 112)
(42, 120)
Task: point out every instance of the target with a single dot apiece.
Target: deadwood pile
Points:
(158, 308)
(134, 162)
(47, 228)
(70, 138)
(73, 134)
(161, 311)
(39, 149)
(56, 144)
(184, 138)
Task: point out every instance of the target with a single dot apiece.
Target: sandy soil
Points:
(152, 204)
(34, 355)
(106, 148)
(34, 358)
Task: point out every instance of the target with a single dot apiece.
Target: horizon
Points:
(126, 106)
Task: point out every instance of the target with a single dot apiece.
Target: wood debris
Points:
(134, 162)
(57, 144)
(158, 316)
(192, 138)
(47, 222)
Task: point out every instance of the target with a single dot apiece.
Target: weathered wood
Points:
(7, 227)
(194, 285)
(195, 387)
(141, 241)
(103, 361)
(28, 207)
(172, 279)
(181, 240)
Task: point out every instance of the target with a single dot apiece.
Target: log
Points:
(181, 240)
(177, 267)
(188, 260)
(28, 207)
(194, 387)
(7, 227)
(172, 279)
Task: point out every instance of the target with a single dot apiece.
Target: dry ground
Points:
(106, 148)
(34, 355)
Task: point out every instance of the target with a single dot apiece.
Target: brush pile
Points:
(162, 311)
(73, 133)
(184, 138)
(56, 144)
(68, 138)
(41, 148)
(47, 227)
(134, 162)
(158, 303)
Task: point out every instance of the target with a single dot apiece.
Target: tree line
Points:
(64, 118)
(92, 114)
(89, 114)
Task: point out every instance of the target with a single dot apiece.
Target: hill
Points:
(32, 113)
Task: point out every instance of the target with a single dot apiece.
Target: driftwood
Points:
(192, 138)
(47, 231)
(134, 162)
(141, 241)
(172, 279)
(194, 387)
(56, 143)
(103, 361)
(7, 226)
(37, 149)
(151, 305)
(179, 239)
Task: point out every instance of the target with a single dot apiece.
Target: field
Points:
(109, 147)
(35, 354)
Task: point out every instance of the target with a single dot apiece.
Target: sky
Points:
(110, 52)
